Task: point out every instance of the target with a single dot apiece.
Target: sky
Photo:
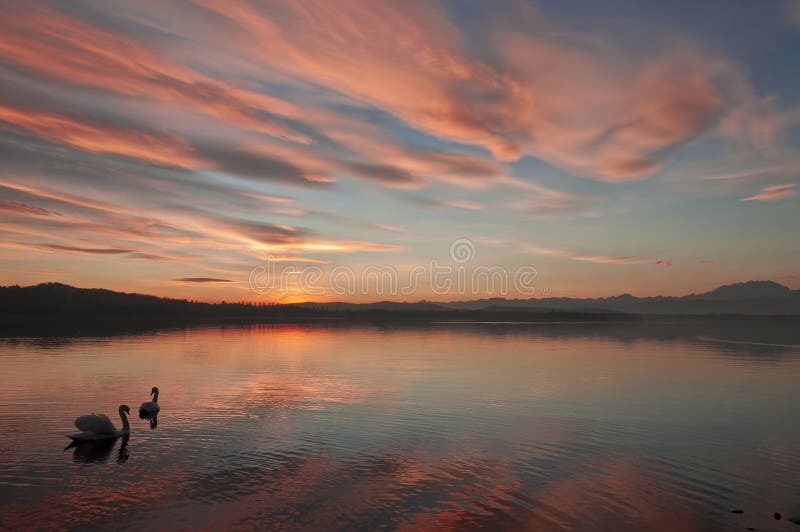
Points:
(211, 149)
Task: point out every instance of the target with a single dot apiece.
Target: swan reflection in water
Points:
(151, 417)
(99, 450)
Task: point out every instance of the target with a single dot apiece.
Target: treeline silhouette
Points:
(54, 302)
(64, 300)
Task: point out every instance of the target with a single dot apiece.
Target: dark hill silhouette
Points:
(63, 300)
(50, 302)
(52, 305)
(747, 290)
(748, 298)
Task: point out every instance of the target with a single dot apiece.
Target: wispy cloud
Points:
(149, 256)
(23, 208)
(202, 280)
(539, 202)
(91, 251)
(774, 193)
(750, 173)
(111, 251)
(260, 166)
(465, 204)
(585, 257)
(158, 149)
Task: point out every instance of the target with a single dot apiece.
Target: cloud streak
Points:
(96, 138)
(202, 280)
(23, 208)
(585, 257)
(775, 193)
(90, 251)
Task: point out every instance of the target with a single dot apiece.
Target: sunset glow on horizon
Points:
(171, 148)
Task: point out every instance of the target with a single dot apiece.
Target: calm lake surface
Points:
(548, 427)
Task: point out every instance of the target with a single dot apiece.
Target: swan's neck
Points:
(155, 397)
(125, 426)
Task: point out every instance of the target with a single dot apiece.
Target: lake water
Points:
(548, 427)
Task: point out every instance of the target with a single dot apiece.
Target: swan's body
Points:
(96, 427)
(150, 408)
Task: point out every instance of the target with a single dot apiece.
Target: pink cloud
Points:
(202, 280)
(753, 172)
(124, 64)
(24, 208)
(373, 151)
(575, 106)
(175, 235)
(465, 204)
(59, 45)
(538, 202)
(158, 149)
(73, 249)
(663, 262)
(602, 119)
(389, 228)
(759, 124)
(585, 257)
(774, 193)
(595, 111)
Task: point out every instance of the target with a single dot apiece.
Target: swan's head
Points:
(154, 391)
(124, 408)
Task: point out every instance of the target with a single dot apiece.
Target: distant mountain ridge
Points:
(747, 290)
(746, 298)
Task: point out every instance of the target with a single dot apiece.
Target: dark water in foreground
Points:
(593, 427)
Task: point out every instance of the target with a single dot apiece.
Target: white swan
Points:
(95, 427)
(150, 408)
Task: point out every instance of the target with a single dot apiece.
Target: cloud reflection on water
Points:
(556, 427)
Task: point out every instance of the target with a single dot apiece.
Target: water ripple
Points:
(436, 429)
